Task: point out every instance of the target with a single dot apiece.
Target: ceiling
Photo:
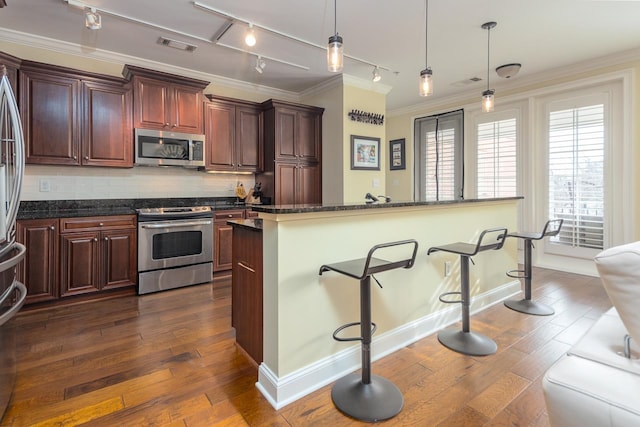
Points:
(543, 35)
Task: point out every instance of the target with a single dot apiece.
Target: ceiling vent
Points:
(466, 82)
(177, 44)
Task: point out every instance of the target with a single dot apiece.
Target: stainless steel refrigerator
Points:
(12, 292)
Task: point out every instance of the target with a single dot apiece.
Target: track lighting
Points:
(250, 37)
(376, 74)
(260, 64)
(92, 19)
(426, 81)
(487, 95)
(334, 48)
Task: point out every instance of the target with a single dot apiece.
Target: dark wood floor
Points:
(169, 359)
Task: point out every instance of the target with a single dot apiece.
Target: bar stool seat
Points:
(526, 305)
(367, 397)
(464, 341)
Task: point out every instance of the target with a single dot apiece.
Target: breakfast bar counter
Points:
(302, 308)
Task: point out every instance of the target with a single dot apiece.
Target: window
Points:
(496, 170)
(576, 174)
(439, 164)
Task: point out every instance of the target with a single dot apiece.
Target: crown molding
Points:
(63, 47)
(341, 80)
(523, 83)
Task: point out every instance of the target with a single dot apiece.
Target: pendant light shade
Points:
(487, 95)
(335, 54)
(426, 75)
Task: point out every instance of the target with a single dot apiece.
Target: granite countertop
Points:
(43, 209)
(253, 224)
(289, 209)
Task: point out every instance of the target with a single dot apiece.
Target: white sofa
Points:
(595, 384)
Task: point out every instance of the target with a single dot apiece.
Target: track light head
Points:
(376, 74)
(92, 19)
(250, 37)
(260, 65)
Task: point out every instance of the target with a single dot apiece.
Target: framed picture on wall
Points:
(396, 154)
(365, 153)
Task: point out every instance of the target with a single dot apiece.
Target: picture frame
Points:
(397, 155)
(365, 153)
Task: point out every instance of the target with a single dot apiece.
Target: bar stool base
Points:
(379, 400)
(470, 343)
(528, 306)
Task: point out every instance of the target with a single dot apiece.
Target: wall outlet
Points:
(45, 185)
(447, 268)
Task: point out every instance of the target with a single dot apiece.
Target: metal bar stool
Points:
(367, 397)
(526, 305)
(465, 341)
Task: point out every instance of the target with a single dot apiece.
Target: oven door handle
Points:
(176, 224)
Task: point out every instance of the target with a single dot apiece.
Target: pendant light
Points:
(334, 48)
(487, 95)
(426, 82)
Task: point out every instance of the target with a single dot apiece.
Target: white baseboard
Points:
(280, 391)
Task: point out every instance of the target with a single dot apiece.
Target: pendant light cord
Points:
(488, 52)
(426, 33)
(335, 17)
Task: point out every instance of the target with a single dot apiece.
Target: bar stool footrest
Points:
(528, 306)
(446, 294)
(348, 325)
(469, 343)
(379, 400)
(517, 274)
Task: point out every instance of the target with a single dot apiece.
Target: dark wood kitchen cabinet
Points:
(246, 290)
(97, 253)
(233, 131)
(39, 270)
(165, 101)
(12, 64)
(74, 118)
(222, 239)
(293, 153)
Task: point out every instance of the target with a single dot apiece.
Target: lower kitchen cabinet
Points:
(222, 239)
(97, 253)
(39, 270)
(74, 256)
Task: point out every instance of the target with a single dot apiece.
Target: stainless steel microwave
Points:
(163, 148)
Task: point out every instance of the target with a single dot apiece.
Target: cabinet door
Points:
(119, 258)
(249, 141)
(49, 106)
(285, 186)
(308, 184)
(79, 263)
(222, 239)
(220, 135)
(39, 270)
(186, 111)
(151, 104)
(308, 136)
(285, 134)
(107, 130)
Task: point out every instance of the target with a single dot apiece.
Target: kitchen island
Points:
(302, 308)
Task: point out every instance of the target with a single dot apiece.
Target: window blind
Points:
(496, 159)
(576, 175)
(439, 165)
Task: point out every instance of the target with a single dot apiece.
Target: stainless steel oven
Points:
(175, 247)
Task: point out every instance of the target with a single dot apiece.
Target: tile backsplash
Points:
(79, 183)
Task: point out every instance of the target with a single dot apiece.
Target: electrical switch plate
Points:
(45, 185)
(376, 183)
(447, 268)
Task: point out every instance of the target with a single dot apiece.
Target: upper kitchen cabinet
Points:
(292, 147)
(11, 64)
(165, 101)
(294, 130)
(233, 131)
(71, 117)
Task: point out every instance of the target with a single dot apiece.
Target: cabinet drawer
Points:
(97, 223)
(226, 215)
(251, 214)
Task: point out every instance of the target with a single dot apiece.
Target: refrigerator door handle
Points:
(13, 261)
(20, 287)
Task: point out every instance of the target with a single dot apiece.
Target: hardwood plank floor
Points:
(170, 359)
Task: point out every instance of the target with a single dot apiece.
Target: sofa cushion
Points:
(619, 269)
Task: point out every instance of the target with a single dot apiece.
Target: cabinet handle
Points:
(175, 125)
(52, 228)
(75, 157)
(239, 164)
(95, 239)
(86, 157)
(246, 267)
(230, 216)
(101, 224)
(106, 239)
(166, 124)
